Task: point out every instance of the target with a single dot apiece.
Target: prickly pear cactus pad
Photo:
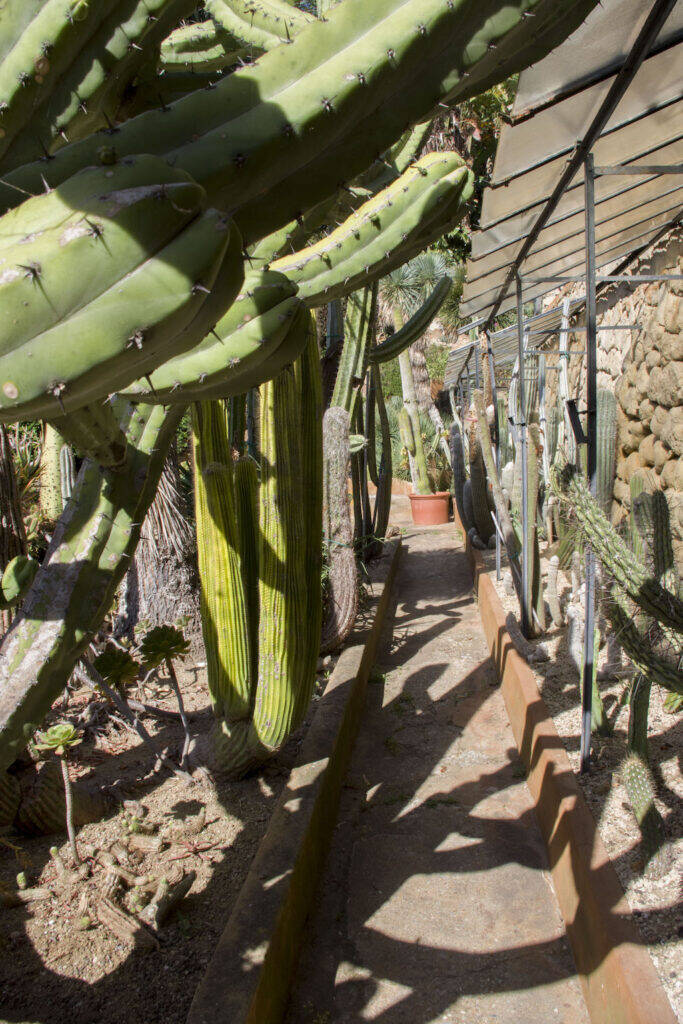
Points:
(329, 103)
(97, 279)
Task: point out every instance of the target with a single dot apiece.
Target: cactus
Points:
(72, 337)
(384, 477)
(89, 553)
(459, 475)
(257, 713)
(359, 329)
(504, 445)
(551, 591)
(342, 602)
(414, 328)
(65, 68)
(259, 335)
(385, 231)
(480, 501)
(630, 577)
(343, 90)
(201, 46)
(405, 426)
(257, 25)
(552, 428)
(606, 461)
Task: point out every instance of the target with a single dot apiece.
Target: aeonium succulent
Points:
(59, 738)
(117, 666)
(163, 643)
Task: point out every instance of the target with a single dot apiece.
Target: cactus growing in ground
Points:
(257, 712)
(342, 597)
(87, 558)
(480, 501)
(630, 577)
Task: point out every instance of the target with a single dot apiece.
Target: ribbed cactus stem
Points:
(418, 460)
(636, 776)
(224, 602)
(459, 474)
(50, 488)
(486, 447)
(480, 501)
(342, 591)
(628, 573)
(606, 432)
(405, 426)
(551, 591)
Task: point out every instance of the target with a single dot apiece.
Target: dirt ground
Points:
(655, 901)
(55, 968)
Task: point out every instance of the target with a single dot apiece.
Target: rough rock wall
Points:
(644, 367)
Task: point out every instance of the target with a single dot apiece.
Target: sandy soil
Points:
(54, 971)
(655, 901)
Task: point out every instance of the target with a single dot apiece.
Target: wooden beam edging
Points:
(248, 978)
(619, 979)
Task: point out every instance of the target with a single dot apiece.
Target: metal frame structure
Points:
(582, 157)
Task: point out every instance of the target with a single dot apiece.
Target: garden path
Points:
(436, 903)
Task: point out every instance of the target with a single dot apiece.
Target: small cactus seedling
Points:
(60, 739)
(163, 644)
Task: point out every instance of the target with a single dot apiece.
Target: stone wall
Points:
(644, 367)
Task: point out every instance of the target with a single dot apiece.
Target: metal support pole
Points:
(591, 458)
(522, 436)
(496, 435)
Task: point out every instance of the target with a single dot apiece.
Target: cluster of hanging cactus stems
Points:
(124, 245)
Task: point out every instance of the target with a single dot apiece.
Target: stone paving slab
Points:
(436, 904)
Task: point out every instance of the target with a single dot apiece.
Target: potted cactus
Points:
(404, 290)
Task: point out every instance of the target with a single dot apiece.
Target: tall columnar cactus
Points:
(382, 475)
(480, 501)
(259, 697)
(606, 431)
(342, 595)
(459, 475)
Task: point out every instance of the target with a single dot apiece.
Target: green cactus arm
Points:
(89, 554)
(224, 601)
(67, 69)
(342, 92)
(660, 667)
(258, 25)
(360, 319)
(18, 576)
(257, 337)
(629, 574)
(382, 507)
(95, 432)
(105, 277)
(202, 46)
(413, 328)
(381, 234)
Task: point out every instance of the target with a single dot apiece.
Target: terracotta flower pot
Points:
(430, 509)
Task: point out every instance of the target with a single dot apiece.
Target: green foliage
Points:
(117, 666)
(161, 644)
(59, 738)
